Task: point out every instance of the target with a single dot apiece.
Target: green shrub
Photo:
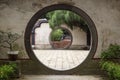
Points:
(111, 67)
(56, 35)
(113, 51)
(6, 71)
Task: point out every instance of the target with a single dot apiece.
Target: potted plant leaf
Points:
(8, 40)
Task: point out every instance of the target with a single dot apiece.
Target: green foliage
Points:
(111, 67)
(16, 47)
(112, 52)
(58, 17)
(8, 39)
(56, 35)
(6, 71)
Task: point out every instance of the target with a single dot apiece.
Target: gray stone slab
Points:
(61, 59)
(63, 77)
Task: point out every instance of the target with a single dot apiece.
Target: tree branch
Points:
(4, 46)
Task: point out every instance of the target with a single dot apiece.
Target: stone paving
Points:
(61, 59)
(62, 77)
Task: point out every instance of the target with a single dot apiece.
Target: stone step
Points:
(63, 77)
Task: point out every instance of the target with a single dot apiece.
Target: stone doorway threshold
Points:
(62, 77)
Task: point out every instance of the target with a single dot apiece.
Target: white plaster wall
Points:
(42, 35)
(15, 14)
(105, 15)
(79, 36)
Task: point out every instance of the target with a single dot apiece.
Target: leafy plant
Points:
(71, 19)
(112, 52)
(6, 71)
(111, 67)
(56, 35)
(8, 39)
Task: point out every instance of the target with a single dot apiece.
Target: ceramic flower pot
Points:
(13, 55)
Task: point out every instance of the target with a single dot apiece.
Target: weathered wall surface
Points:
(15, 14)
(105, 14)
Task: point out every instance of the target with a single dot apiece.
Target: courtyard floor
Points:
(61, 59)
(62, 77)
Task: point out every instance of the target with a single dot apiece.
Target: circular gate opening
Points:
(60, 37)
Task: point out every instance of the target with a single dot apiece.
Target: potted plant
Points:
(56, 37)
(8, 40)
